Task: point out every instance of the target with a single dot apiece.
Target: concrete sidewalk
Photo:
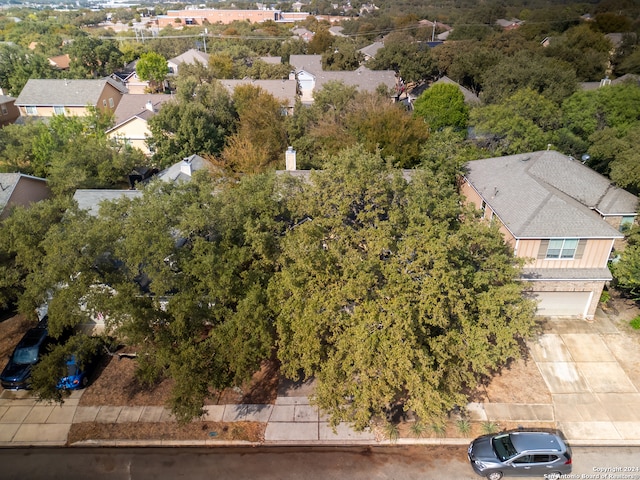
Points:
(591, 369)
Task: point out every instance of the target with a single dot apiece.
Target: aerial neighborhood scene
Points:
(409, 220)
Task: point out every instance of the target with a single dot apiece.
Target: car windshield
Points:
(26, 355)
(504, 447)
(72, 369)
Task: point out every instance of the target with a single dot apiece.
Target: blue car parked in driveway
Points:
(76, 378)
(28, 352)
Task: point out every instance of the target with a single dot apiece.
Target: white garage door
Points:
(560, 304)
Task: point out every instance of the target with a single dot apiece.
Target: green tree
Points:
(18, 64)
(344, 56)
(626, 270)
(406, 57)
(388, 293)
(180, 273)
(380, 125)
(260, 140)
(442, 105)
(53, 366)
(199, 122)
(152, 67)
(93, 58)
(321, 42)
(554, 79)
(586, 50)
(21, 248)
(524, 122)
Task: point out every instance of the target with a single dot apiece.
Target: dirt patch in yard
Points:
(245, 431)
(519, 382)
(115, 384)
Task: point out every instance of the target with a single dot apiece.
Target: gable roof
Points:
(191, 56)
(64, 92)
(469, 96)
(282, 90)
(182, 171)
(6, 99)
(143, 106)
(371, 50)
(8, 184)
(60, 61)
(90, 199)
(362, 77)
(549, 195)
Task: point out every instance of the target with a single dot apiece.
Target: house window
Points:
(104, 103)
(111, 103)
(31, 110)
(4, 109)
(58, 110)
(627, 222)
(562, 248)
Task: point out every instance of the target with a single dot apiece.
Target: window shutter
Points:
(542, 251)
(580, 250)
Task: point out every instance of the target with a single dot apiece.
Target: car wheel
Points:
(495, 476)
(554, 475)
(85, 382)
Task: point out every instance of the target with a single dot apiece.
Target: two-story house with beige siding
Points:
(49, 97)
(559, 215)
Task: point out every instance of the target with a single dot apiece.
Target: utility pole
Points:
(204, 37)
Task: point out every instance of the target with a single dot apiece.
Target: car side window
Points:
(522, 459)
(541, 458)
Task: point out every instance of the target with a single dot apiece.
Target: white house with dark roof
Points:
(311, 76)
(17, 189)
(559, 215)
(132, 119)
(49, 97)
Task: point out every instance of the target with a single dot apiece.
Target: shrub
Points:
(439, 428)
(418, 429)
(489, 427)
(392, 431)
(464, 426)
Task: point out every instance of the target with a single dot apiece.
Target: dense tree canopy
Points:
(406, 57)
(386, 296)
(152, 67)
(197, 123)
(442, 105)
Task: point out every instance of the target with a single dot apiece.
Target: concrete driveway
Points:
(592, 370)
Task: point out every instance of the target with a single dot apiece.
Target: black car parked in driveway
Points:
(27, 353)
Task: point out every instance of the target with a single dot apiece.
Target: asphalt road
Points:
(279, 463)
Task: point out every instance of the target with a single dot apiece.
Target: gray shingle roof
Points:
(63, 92)
(469, 96)
(182, 171)
(363, 78)
(90, 199)
(371, 50)
(191, 56)
(586, 274)
(284, 90)
(549, 195)
(131, 105)
(8, 183)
